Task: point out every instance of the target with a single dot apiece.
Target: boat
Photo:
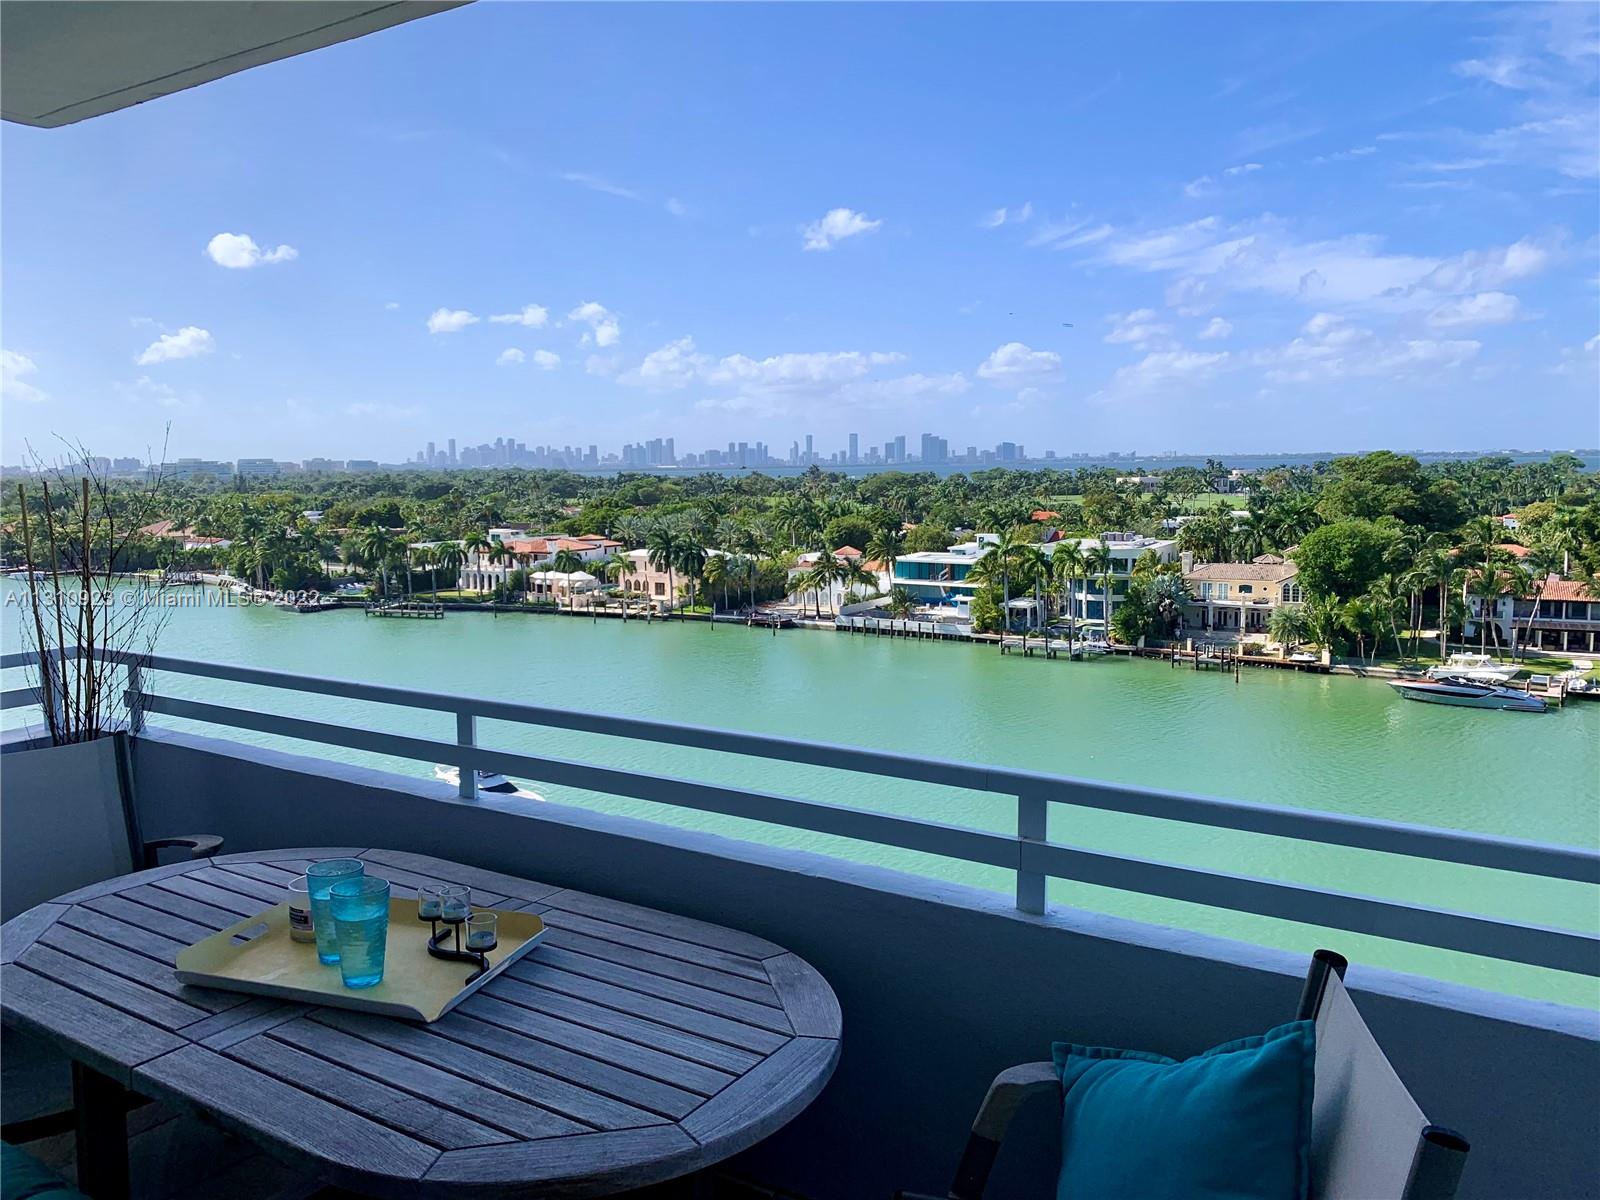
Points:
(1479, 667)
(1467, 693)
(488, 781)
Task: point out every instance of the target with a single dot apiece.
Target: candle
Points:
(481, 931)
(428, 901)
(455, 902)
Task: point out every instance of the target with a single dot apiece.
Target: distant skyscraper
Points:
(900, 448)
(452, 452)
(432, 457)
(855, 447)
(811, 455)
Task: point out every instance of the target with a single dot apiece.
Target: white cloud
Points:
(1069, 234)
(392, 305)
(1330, 347)
(450, 320)
(534, 316)
(1140, 328)
(1197, 189)
(1349, 155)
(838, 224)
(546, 360)
(1484, 308)
(239, 252)
(1216, 328)
(188, 342)
(606, 366)
(1504, 72)
(906, 388)
(602, 323)
(673, 366)
(596, 183)
(510, 358)
(1211, 259)
(1163, 370)
(677, 207)
(1016, 363)
(1004, 216)
(797, 371)
(1242, 169)
(14, 368)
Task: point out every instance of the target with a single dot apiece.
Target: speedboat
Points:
(1479, 667)
(488, 781)
(1467, 693)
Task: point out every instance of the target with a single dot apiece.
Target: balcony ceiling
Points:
(64, 62)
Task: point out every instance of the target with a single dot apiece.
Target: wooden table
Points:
(630, 1047)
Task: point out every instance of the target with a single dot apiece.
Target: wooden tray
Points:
(258, 955)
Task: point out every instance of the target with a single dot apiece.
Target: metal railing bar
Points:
(1559, 949)
(949, 841)
(23, 697)
(1393, 837)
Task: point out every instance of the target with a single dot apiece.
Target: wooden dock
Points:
(405, 608)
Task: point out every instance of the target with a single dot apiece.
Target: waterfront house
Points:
(1557, 615)
(184, 539)
(655, 584)
(838, 594)
(483, 574)
(1236, 599)
(1126, 549)
(939, 578)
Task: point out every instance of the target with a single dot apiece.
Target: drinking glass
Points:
(300, 910)
(361, 921)
(483, 931)
(320, 878)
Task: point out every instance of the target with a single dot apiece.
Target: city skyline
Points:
(1078, 226)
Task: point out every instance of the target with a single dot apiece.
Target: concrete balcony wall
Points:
(941, 986)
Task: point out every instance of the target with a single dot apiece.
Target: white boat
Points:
(1479, 667)
(488, 781)
(1467, 693)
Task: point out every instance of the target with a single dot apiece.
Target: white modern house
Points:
(1126, 549)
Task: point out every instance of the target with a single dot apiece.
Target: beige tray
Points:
(258, 955)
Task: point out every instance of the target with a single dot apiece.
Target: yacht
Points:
(488, 781)
(1478, 667)
(1467, 693)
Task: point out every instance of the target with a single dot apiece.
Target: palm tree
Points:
(376, 548)
(473, 547)
(423, 557)
(451, 556)
(691, 561)
(1170, 593)
(1386, 597)
(1099, 563)
(497, 555)
(717, 574)
(1003, 555)
(900, 604)
(852, 575)
(1436, 562)
(1288, 625)
(1068, 566)
(664, 545)
(569, 564)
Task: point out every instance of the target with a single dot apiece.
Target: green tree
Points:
(1288, 625)
(568, 563)
(1342, 558)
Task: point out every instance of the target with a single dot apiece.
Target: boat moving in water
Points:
(1479, 668)
(1467, 693)
(488, 781)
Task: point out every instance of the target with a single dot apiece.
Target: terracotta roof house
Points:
(1560, 615)
(1236, 598)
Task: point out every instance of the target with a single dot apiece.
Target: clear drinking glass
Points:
(361, 921)
(320, 878)
(483, 931)
(300, 910)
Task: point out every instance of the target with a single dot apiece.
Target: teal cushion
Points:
(1233, 1123)
(24, 1177)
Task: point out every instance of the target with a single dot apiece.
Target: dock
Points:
(426, 610)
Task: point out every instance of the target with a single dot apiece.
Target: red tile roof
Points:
(1567, 589)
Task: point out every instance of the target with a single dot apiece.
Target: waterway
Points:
(1316, 742)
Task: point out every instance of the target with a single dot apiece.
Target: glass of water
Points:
(361, 922)
(320, 878)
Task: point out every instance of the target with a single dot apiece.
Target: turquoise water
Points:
(1316, 742)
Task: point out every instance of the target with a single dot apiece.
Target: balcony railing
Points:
(1028, 852)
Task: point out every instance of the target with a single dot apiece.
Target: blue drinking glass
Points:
(361, 920)
(320, 878)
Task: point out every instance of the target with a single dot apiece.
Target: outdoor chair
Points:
(83, 830)
(1369, 1140)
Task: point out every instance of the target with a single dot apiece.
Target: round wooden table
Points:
(630, 1047)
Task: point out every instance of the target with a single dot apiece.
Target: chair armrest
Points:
(1011, 1089)
(201, 845)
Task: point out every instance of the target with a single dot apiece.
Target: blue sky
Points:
(1271, 227)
